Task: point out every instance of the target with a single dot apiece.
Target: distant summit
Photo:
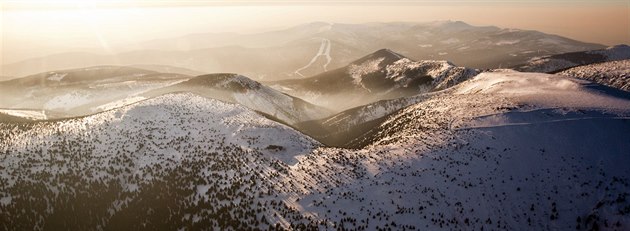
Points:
(235, 88)
(388, 57)
(383, 74)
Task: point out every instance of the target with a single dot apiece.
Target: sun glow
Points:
(32, 28)
(70, 4)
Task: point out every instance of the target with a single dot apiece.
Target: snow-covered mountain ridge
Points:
(381, 75)
(234, 88)
(614, 73)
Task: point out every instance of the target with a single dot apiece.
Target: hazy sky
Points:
(34, 28)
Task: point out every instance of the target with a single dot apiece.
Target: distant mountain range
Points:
(559, 62)
(309, 49)
(381, 75)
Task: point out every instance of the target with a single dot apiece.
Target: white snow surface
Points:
(261, 98)
(450, 41)
(69, 100)
(541, 89)
(444, 73)
(119, 103)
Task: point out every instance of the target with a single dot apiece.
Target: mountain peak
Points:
(228, 81)
(235, 88)
(386, 51)
(449, 24)
(388, 56)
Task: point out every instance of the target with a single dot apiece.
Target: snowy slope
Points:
(158, 158)
(559, 62)
(614, 74)
(502, 151)
(251, 94)
(524, 176)
(486, 155)
(543, 90)
(341, 129)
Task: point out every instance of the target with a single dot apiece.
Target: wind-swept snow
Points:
(614, 74)
(133, 149)
(542, 89)
(119, 103)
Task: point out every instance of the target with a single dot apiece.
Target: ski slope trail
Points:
(324, 50)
